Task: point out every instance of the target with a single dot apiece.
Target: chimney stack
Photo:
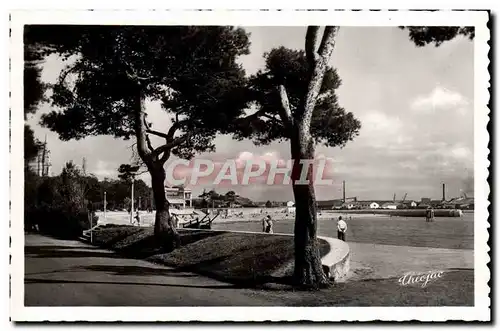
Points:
(444, 190)
(343, 191)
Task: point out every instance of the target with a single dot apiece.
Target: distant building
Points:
(337, 204)
(407, 205)
(41, 163)
(290, 207)
(426, 201)
(460, 203)
(179, 197)
(374, 205)
(389, 205)
(348, 205)
(436, 203)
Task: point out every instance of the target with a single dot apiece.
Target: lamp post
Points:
(132, 207)
(105, 206)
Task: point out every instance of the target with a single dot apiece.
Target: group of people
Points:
(267, 226)
(429, 215)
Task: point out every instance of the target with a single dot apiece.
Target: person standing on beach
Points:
(429, 214)
(341, 229)
(267, 224)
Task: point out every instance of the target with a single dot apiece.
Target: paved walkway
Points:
(370, 261)
(70, 273)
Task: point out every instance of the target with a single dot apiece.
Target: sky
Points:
(415, 106)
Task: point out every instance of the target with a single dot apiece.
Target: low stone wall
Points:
(337, 261)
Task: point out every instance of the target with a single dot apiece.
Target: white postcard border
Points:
(481, 310)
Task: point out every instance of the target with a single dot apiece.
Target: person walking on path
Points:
(341, 229)
(138, 218)
(267, 224)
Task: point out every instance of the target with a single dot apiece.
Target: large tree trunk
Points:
(164, 228)
(308, 268)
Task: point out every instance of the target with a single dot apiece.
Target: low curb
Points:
(337, 261)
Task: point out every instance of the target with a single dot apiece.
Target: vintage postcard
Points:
(200, 165)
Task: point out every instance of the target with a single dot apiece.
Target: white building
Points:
(348, 205)
(290, 207)
(179, 197)
(374, 205)
(389, 205)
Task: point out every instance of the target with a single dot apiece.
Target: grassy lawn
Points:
(242, 258)
(253, 260)
(455, 288)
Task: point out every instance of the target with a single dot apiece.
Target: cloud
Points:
(461, 152)
(440, 98)
(379, 122)
(103, 169)
(379, 130)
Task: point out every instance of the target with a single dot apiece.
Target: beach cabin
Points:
(290, 207)
(374, 205)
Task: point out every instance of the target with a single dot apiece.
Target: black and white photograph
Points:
(249, 166)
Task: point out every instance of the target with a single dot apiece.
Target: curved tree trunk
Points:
(308, 268)
(164, 228)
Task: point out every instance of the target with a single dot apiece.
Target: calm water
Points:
(445, 232)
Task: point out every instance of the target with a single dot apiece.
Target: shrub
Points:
(58, 207)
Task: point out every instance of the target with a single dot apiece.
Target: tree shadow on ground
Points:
(189, 237)
(65, 251)
(250, 280)
(67, 281)
(128, 270)
(125, 231)
(150, 245)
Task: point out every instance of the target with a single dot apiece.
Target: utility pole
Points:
(84, 166)
(132, 207)
(44, 155)
(104, 206)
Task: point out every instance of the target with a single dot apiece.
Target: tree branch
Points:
(317, 72)
(132, 73)
(157, 133)
(150, 146)
(171, 132)
(77, 66)
(284, 111)
(173, 143)
(311, 39)
(327, 42)
(143, 146)
(165, 157)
